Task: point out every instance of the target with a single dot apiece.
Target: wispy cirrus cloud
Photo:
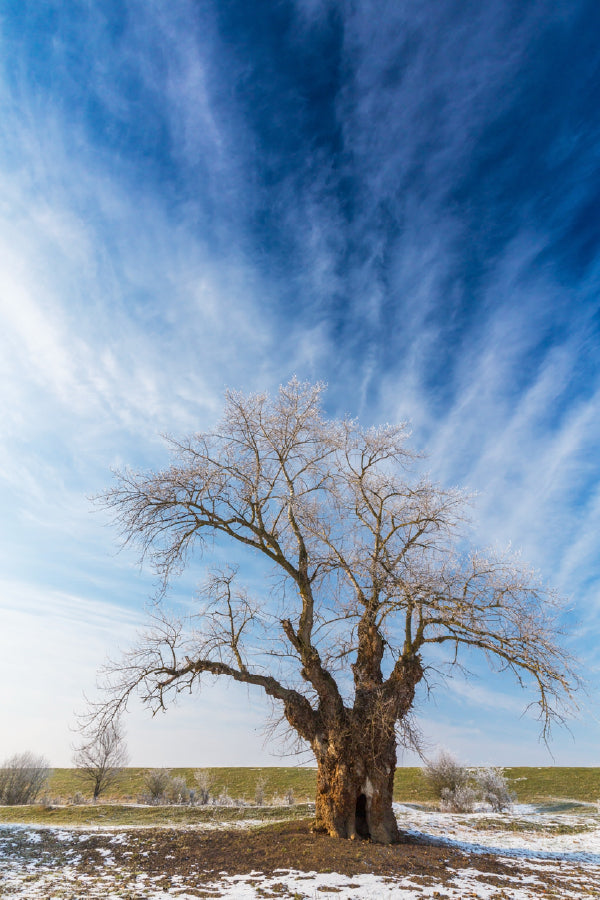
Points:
(205, 195)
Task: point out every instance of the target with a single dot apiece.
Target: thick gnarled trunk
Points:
(356, 757)
(355, 793)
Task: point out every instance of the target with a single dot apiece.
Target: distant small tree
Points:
(101, 756)
(22, 777)
(259, 791)
(204, 780)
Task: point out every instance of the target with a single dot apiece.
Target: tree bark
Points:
(355, 790)
(356, 756)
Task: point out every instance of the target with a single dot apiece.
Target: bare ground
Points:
(196, 859)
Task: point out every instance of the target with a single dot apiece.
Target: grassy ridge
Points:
(240, 783)
(555, 781)
(528, 783)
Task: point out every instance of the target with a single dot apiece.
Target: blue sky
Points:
(399, 198)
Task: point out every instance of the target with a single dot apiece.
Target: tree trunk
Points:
(355, 791)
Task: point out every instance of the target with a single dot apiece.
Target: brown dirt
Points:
(199, 857)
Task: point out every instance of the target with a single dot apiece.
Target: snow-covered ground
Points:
(547, 854)
(526, 832)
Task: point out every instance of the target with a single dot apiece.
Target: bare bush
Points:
(156, 783)
(458, 790)
(177, 790)
(224, 799)
(289, 797)
(493, 789)
(444, 773)
(204, 780)
(462, 798)
(259, 791)
(22, 777)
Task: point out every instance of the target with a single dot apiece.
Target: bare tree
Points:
(22, 777)
(101, 755)
(371, 576)
(205, 781)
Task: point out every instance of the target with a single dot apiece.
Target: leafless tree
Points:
(22, 777)
(101, 755)
(205, 781)
(372, 576)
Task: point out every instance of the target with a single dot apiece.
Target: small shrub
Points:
(259, 791)
(224, 799)
(204, 780)
(458, 790)
(460, 799)
(78, 798)
(156, 782)
(177, 790)
(493, 789)
(22, 777)
(289, 797)
(444, 774)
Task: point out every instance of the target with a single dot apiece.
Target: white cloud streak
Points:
(123, 314)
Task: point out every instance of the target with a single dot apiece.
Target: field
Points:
(548, 846)
(529, 784)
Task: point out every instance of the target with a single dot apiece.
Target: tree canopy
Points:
(373, 572)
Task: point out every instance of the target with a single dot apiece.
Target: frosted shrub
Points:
(493, 789)
(204, 780)
(445, 774)
(289, 797)
(461, 799)
(22, 778)
(458, 790)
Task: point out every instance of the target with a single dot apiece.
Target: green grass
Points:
(529, 784)
(524, 826)
(552, 782)
(240, 783)
(136, 816)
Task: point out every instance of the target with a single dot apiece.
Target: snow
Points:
(544, 849)
(461, 832)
